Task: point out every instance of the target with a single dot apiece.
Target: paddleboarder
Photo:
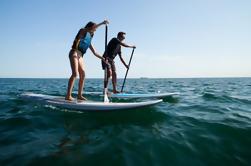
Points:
(80, 45)
(113, 49)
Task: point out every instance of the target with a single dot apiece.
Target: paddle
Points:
(105, 75)
(127, 70)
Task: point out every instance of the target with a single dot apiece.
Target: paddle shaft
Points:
(127, 70)
(105, 71)
(106, 32)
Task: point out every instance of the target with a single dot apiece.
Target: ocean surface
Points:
(208, 123)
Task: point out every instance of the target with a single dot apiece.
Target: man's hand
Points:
(133, 46)
(127, 66)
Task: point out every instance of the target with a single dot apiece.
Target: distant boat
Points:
(143, 77)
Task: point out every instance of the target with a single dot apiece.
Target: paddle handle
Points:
(106, 32)
(127, 70)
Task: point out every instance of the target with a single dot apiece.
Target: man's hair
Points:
(120, 34)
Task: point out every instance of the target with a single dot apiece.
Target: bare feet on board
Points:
(69, 98)
(82, 98)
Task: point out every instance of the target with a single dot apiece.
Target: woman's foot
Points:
(82, 98)
(69, 98)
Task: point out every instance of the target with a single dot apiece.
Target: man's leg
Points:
(114, 77)
(114, 82)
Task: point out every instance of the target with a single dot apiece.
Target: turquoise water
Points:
(208, 123)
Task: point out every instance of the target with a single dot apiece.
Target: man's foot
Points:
(108, 93)
(82, 98)
(69, 98)
(115, 91)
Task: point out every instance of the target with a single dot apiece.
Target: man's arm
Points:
(122, 60)
(126, 45)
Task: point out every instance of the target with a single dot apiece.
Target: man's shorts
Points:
(110, 65)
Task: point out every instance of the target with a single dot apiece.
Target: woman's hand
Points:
(107, 63)
(133, 46)
(105, 22)
(104, 60)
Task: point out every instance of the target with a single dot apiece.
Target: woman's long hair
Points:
(90, 24)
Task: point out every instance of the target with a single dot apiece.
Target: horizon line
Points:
(127, 78)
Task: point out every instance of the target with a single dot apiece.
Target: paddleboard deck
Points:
(134, 95)
(86, 105)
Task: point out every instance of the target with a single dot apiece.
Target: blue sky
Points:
(181, 38)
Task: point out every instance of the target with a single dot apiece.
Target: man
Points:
(113, 49)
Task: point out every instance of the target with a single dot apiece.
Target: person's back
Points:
(113, 48)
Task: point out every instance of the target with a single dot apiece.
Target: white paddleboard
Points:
(134, 95)
(86, 105)
(129, 95)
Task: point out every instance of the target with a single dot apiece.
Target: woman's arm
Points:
(95, 53)
(104, 22)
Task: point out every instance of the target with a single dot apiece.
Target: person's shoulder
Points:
(83, 30)
(116, 40)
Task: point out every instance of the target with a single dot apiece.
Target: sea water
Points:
(208, 123)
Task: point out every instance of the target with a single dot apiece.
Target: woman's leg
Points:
(81, 78)
(74, 69)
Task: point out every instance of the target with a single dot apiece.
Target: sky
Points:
(174, 38)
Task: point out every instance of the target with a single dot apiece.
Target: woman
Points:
(80, 45)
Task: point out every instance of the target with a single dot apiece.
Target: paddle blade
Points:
(106, 99)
